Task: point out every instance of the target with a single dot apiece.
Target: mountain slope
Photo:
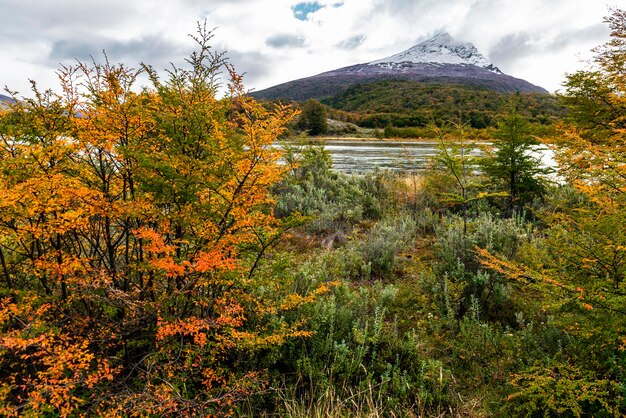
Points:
(6, 99)
(403, 103)
(440, 59)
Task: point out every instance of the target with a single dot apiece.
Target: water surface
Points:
(363, 156)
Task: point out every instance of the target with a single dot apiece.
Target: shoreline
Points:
(422, 140)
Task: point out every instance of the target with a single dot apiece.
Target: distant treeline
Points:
(403, 103)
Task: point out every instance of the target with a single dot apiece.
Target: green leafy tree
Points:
(313, 118)
(455, 165)
(512, 166)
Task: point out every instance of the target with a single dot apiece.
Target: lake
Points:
(362, 156)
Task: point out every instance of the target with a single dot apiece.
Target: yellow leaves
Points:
(517, 272)
(324, 288)
(596, 168)
(57, 265)
(293, 300)
(117, 208)
(47, 205)
(256, 341)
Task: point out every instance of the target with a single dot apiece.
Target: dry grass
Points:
(369, 403)
(410, 189)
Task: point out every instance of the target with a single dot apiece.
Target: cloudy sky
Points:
(274, 41)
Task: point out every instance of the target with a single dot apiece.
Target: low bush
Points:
(458, 263)
(334, 201)
(385, 241)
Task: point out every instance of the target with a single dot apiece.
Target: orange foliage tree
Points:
(131, 225)
(587, 238)
(578, 272)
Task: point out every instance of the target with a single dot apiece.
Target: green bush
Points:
(358, 353)
(561, 389)
(503, 236)
(385, 240)
(334, 201)
(426, 221)
(457, 262)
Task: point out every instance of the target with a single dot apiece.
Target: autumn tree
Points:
(579, 270)
(131, 224)
(595, 96)
(592, 156)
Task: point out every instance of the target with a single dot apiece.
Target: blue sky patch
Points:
(302, 10)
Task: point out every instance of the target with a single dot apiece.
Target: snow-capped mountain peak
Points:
(440, 49)
(440, 59)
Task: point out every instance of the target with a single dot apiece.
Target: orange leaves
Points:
(231, 313)
(131, 225)
(215, 259)
(160, 256)
(53, 369)
(195, 327)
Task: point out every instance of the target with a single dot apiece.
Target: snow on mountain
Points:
(441, 59)
(440, 49)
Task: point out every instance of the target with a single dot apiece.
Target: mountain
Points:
(6, 99)
(440, 59)
(440, 49)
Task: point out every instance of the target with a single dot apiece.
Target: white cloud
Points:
(535, 39)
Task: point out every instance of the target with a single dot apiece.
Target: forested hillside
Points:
(402, 103)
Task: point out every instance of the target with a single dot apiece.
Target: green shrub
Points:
(426, 221)
(385, 240)
(561, 389)
(357, 353)
(458, 263)
(334, 201)
(503, 236)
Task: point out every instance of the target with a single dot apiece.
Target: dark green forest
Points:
(409, 109)
(402, 103)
